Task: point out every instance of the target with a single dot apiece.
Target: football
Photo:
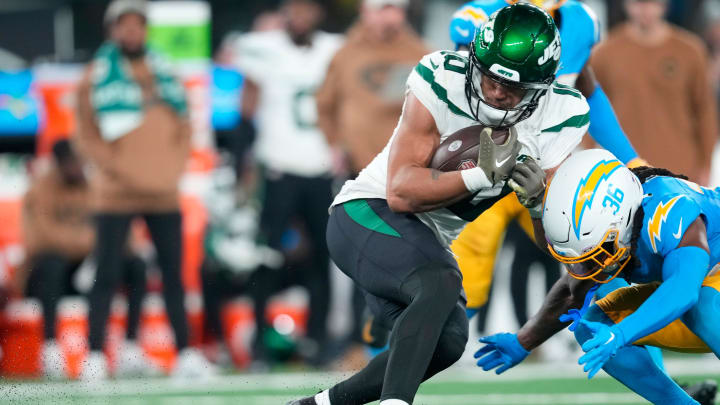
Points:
(460, 150)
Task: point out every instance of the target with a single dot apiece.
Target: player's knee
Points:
(453, 339)
(436, 282)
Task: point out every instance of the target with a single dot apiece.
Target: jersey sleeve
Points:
(423, 84)
(568, 123)
(667, 218)
(251, 56)
(580, 31)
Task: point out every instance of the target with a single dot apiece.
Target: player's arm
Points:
(567, 293)
(683, 272)
(411, 185)
(506, 350)
(604, 126)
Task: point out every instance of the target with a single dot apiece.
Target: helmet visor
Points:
(601, 264)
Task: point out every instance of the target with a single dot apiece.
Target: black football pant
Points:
(306, 198)
(412, 284)
(51, 278)
(110, 246)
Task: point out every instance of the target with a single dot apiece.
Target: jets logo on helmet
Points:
(658, 218)
(551, 51)
(588, 214)
(585, 193)
(518, 47)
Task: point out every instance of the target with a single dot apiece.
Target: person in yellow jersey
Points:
(477, 245)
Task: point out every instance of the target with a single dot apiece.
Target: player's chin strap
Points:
(575, 315)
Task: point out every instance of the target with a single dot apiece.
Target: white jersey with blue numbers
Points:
(670, 206)
(578, 25)
(438, 82)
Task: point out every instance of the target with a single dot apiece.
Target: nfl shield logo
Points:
(466, 164)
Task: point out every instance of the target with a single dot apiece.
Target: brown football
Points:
(460, 150)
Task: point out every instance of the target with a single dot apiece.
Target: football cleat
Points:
(703, 392)
(303, 401)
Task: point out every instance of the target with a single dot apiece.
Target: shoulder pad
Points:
(566, 108)
(579, 31)
(667, 217)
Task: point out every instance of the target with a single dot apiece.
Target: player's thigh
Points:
(380, 249)
(476, 248)
(676, 336)
(703, 319)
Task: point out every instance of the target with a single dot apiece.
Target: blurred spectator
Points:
(657, 79)
(713, 40)
(231, 253)
(360, 101)
(283, 69)
(133, 128)
(59, 237)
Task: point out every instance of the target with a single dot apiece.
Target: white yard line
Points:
(281, 381)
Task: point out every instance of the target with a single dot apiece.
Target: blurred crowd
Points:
(309, 110)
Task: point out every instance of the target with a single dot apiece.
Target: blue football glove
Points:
(502, 349)
(605, 343)
(575, 315)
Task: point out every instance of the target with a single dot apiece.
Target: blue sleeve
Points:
(684, 270)
(579, 32)
(605, 128)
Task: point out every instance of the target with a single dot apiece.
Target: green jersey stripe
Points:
(576, 121)
(360, 212)
(429, 76)
(566, 92)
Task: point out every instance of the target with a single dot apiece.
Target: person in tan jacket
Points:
(360, 100)
(58, 237)
(656, 76)
(132, 127)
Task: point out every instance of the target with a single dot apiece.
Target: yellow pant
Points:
(676, 336)
(478, 243)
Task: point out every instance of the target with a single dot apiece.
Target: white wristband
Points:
(475, 179)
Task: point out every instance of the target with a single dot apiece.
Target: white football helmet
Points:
(588, 214)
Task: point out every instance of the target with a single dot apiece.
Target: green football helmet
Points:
(519, 47)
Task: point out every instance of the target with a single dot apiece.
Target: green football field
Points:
(461, 385)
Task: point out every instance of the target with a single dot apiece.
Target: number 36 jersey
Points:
(288, 76)
(438, 82)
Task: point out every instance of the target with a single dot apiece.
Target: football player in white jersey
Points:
(390, 228)
(283, 68)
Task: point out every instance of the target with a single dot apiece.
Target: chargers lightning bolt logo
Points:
(585, 192)
(658, 218)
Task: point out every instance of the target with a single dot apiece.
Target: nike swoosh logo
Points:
(612, 337)
(434, 66)
(678, 234)
(502, 162)
(462, 32)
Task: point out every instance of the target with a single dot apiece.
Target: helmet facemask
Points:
(490, 115)
(601, 264)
